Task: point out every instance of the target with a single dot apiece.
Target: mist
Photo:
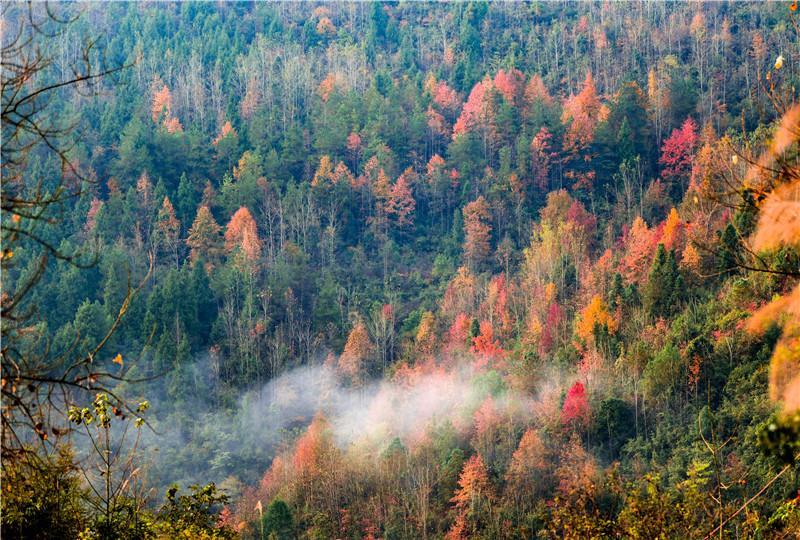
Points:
(238, 442)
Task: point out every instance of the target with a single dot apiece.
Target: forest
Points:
(389, 270)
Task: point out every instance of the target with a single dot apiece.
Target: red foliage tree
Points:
(541, 155)
(459, 331)
(576, 406)
(677, 152)
(354, 142)
(484, 343)
(354, 148)
(443, 96)
(555, 318)
(472, 112)
(91, 216)
(443, 108)
(509, 84)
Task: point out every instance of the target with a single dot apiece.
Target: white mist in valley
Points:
(239, 441)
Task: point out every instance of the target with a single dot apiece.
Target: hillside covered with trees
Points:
(401, 270)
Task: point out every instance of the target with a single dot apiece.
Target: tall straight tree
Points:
(477, 232)
(166, 232)
(204, 239)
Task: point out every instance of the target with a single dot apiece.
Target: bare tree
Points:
(35, 384)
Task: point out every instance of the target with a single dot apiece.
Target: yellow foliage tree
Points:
(324, 174)
(596, 313)
(426, 333)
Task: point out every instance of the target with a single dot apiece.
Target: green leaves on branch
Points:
(99, 413)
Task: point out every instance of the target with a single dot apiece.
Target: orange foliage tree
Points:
(318, 467)
(226, 131)
(640, 245)
(353, 364)
(496, 306)
(477, 232)
(241, 240)
(489, 421)
(581, 115)
(401, 204)
(252, 99)
(460, 294)
(484, 343)
(528, 474)
(162, 109)
(166, 231)
(674, 233)
(324, 174)
(426, 334)
(593, 315)
(472, 499)
(162, 104)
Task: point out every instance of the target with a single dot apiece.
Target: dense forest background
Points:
(423, 270)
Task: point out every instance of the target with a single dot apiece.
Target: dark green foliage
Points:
(727, 252)
(614, 424)
(616, 292)
(474, 328)
(625, 148)
(665, 286)
(202, 301)
(448, 477)
(683, 99)
(194, 515)
(187, 202)
(278, 521)
(662, 372)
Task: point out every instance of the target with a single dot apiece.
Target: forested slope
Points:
(423, 270)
